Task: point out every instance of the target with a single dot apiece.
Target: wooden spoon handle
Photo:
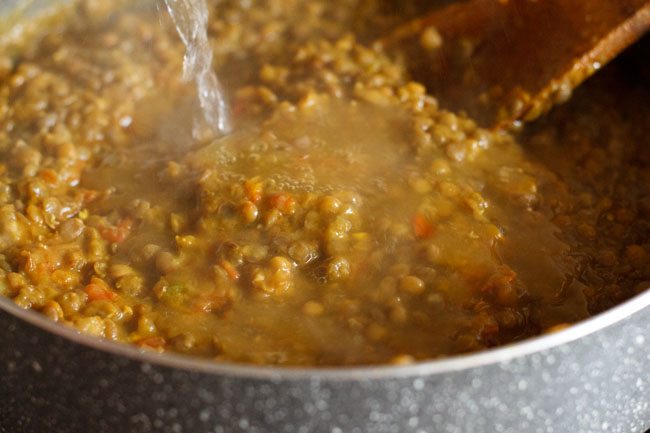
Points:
(508, 61)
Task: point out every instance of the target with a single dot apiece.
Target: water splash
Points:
(191, 20)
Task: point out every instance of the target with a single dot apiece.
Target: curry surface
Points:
(348, 220)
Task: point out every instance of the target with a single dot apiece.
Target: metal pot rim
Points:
(501, 354)
(442, 366)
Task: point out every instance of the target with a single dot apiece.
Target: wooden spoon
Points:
(505, 62)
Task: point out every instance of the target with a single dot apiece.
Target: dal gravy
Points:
(348, 220)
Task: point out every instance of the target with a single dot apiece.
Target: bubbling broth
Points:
(347, 219)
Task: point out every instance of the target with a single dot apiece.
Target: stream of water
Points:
(191, 20)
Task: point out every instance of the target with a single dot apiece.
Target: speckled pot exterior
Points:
(591, 378)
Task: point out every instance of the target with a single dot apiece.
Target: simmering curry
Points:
(348, 219)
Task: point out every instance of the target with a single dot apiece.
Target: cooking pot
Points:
(592, 377)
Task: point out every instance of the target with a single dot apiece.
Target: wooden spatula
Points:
(509, 61)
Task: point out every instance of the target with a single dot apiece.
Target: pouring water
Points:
(191, 20)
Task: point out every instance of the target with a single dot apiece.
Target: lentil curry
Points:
(348, 220)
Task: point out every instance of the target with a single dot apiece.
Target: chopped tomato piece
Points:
(49, 176)
(119, 233)
(283, 202)
(98, 292)
(90, 195)
(422, 226)
(154, 342)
